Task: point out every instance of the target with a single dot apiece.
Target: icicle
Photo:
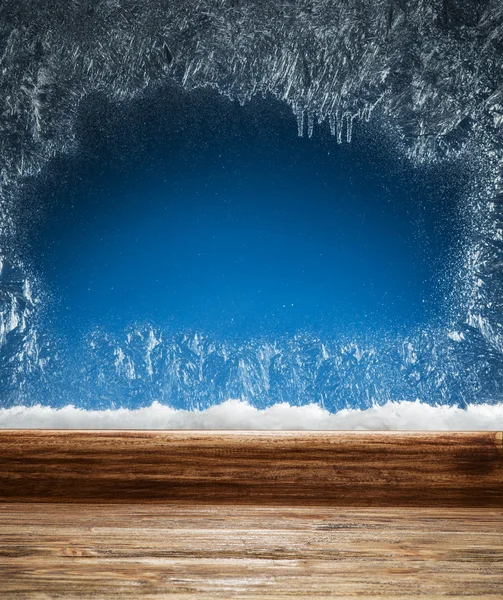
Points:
(332, 123)
(349, 128)
(310, 124)
(300, 122)
(340, 125)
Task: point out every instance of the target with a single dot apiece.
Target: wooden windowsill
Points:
(255, 467)
(200, 515)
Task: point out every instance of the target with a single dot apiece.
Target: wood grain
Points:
(253, 468)
(154, 551)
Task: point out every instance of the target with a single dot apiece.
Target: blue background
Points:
(189, 210)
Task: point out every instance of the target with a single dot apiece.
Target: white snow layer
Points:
(236, 414)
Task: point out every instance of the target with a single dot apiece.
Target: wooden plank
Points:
(246, 468)
(154, 551)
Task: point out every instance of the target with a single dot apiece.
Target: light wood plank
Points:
(100, 551)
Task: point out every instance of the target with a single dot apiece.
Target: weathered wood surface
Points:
(99, 515)
(254, 468)
(154, 551)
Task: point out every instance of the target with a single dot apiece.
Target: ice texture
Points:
(429, 72)
(194, 371)
(431, 68)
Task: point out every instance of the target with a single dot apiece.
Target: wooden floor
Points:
(74, 551)
(207, 515)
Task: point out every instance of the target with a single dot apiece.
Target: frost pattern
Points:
(428, 71)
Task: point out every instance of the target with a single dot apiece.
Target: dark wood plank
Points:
(154, 551)
(268, 468)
